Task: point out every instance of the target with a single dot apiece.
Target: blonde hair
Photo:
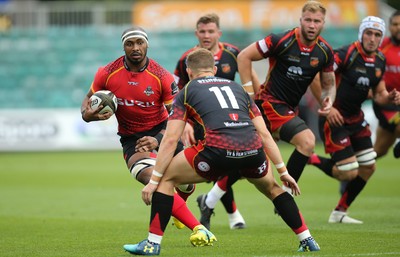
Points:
(314, 6)
(200, 59)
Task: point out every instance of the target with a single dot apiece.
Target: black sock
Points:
(288, 210)
(326, 165)
(353, 189)
(296, 164)
(161, 208)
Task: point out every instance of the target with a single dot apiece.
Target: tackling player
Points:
(208, 34)
(235, 140)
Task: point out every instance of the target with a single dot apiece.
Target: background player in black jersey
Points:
(295, 57)
(208, 34)
(236, 140)
(346, 134)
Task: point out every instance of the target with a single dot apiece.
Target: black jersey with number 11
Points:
(223, 109)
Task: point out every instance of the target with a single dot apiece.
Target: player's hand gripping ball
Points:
(105, 98)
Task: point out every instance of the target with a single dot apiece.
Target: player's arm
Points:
(88, 114)
(328, 92)
(248, 77)
(165, 154)
(273, 153)
(382, 96)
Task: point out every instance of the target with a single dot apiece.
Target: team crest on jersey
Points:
(378, 72)
(314, 61)
(234, 116)
(149, 91)
(226, 68)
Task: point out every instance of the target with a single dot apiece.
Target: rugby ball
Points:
(105, 98)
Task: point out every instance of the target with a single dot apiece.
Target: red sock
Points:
(303, 226)
(222, 183)
(181, 212)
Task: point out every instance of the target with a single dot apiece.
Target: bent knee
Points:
(305, 142)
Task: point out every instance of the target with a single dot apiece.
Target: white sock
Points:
(235, 218)
(214, 196)
(154, 238)
(303, 235)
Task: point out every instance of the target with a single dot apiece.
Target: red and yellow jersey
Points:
(392, 74)
(141, 95)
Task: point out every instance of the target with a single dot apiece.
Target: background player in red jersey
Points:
(295, 57)
(208, 34)
(346, 134)
(235, 140)
(389, 115)
(144, 89)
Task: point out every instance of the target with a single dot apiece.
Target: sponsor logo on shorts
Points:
(203, 166)
(233, 153)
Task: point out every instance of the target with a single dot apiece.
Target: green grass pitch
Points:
(86, 204)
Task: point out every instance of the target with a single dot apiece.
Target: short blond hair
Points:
(314, 6)
(200, 59)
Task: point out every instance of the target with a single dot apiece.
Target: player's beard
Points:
(138, 61)
(307, 38)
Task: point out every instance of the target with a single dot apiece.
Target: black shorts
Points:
(212, 163)
(344, 141)
(280, 116)
(129, 142)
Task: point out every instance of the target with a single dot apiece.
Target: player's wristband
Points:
(279, 165)
(159, 137)
(248, 84)
(153, 182)
(281, 174)
(157, 174)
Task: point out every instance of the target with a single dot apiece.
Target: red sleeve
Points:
(99, 81)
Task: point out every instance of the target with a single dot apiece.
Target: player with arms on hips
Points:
(208, 33)
(236, 139)
(389, 115)
(144, 89)
(360, 67)
(295, 57)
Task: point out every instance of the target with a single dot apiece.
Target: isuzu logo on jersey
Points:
(149, 91)
(132, 102)
(234, 116)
